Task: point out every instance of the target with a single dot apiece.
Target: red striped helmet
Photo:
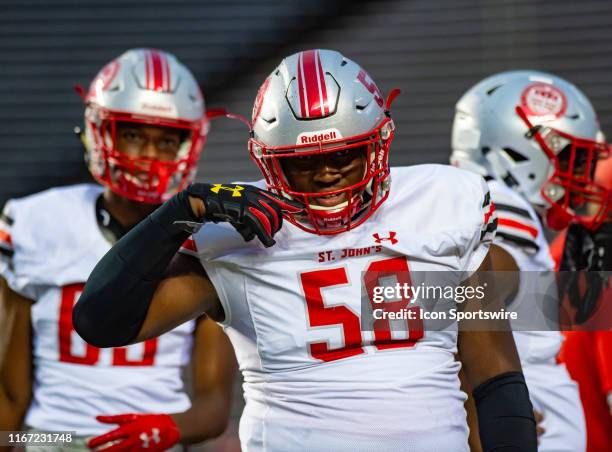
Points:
(317, 102)
(144, 86)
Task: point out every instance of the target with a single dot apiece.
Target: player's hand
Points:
(252, 211)
(137, 432)
(539, 417)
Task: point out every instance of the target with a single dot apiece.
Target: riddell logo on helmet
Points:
(318, 136)
(156, 107)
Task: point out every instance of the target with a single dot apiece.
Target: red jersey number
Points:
(320, 315)
(69, 296)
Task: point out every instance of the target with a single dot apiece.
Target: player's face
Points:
(146, 141)
(326, 172)
(578, 163)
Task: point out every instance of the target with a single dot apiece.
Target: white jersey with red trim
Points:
(520, 232)
(551, 389)
(49, 244)
(313, 379)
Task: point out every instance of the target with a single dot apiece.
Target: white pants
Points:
(555, 395)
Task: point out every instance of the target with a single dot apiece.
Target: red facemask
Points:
(578, 197)
(363, 198)
(137, 178)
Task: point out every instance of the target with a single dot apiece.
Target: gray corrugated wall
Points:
(432, 49)
(47, 46)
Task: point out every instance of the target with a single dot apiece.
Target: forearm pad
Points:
(114, 304)
(505, 414)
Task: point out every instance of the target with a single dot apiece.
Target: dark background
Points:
(432, 49)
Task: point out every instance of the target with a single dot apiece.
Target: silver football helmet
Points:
(145, 86)
(538, 134)
(317, 102)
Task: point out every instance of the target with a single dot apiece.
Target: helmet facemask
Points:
(144, 87)
(361, 198)
(570, 189)
(142, 179)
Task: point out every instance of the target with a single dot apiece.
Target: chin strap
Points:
(223, 113)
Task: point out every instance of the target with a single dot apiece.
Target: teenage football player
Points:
(145, 126)
(315, 377)
(586, 351)
(533, 136)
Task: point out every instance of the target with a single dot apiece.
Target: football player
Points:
(316, 377)
(533, 136)
(586, 351)
(145, 126)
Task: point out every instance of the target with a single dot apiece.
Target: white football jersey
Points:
(313, 379)
(49, 244)
(520, 233)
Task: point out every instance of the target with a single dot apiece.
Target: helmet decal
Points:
(543, 99)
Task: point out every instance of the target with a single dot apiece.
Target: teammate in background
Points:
(145, 127)
(533, 136)
(290, 301)
(586, 353)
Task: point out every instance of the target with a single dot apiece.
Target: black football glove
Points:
(587, 257)
(251, 210)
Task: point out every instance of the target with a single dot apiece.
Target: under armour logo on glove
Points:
(146, 439)
(252, 211)
(137, 432)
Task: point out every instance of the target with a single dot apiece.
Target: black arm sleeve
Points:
(505, 414)
(114, 304)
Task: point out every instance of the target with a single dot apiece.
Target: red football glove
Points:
(137, 432)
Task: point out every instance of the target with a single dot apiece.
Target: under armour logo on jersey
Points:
(235, 189)
(146, 439)
(391, 237)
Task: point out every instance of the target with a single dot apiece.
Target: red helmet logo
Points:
(542, 99)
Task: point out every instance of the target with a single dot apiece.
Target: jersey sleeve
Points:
(517, 227)
(189, 248)
(6, 242)
(11, 253)
(482, 220)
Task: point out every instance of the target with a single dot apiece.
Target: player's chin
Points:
(330, 200)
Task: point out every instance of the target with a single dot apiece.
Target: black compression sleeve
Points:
(114, 304)
(505, 414)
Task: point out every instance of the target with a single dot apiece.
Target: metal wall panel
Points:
(434, 50)
(48, 46)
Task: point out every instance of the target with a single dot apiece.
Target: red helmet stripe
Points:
(147, 64)
(158, 78)
(311, 81)
(302, 94)
(167, 73)
(325, 107)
